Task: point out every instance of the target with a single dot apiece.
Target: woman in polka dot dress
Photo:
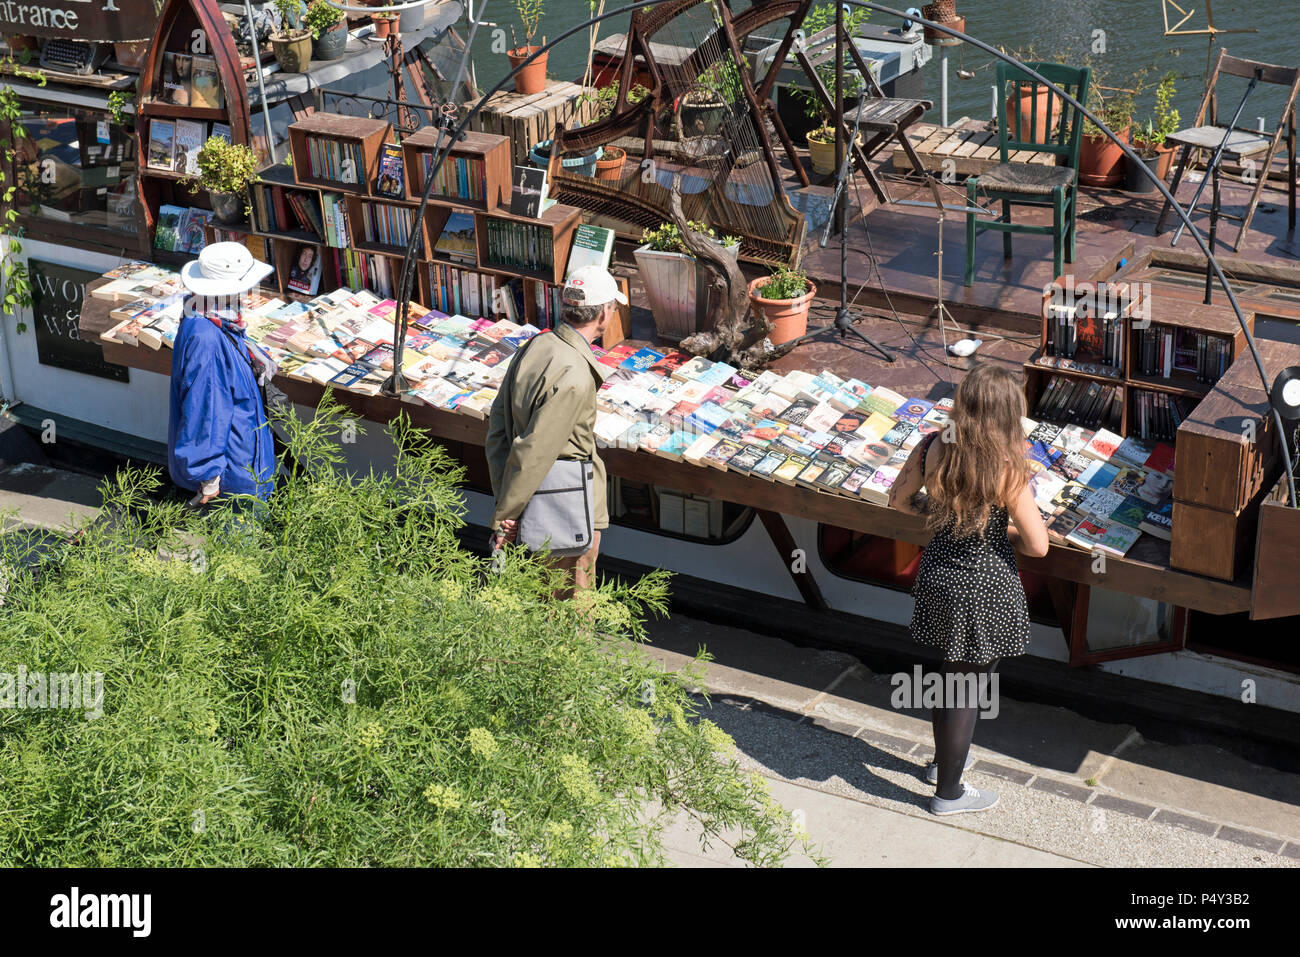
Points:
(970, 604)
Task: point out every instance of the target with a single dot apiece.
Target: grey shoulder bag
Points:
(561, 515)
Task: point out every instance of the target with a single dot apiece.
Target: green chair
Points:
(1056, 129)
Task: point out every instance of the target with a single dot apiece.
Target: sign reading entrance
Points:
(91, 20)
(57, 292)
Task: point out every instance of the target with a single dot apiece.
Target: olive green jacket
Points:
(551, 396)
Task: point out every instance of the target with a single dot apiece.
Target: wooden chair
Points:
(1014, 183)
(1243, 143)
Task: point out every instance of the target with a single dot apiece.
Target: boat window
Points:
(650, 508)
(76, 167)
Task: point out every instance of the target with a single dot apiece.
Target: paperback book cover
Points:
(1159, 521)
(592, 246)
(529, 194)
(1100, 504)
(205, 87)
(391, 181)
(1130, 512)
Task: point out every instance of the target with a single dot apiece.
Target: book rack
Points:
(478, 164)
(187, 29)
(339, 153)
(1151, 404)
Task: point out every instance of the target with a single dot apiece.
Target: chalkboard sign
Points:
(57, 292)
(92, 20)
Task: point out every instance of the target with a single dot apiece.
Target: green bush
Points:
(784, 284)
(343, 684)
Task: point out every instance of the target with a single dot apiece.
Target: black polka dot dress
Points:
(970, 603)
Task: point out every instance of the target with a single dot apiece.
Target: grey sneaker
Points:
(931, 773)
(972, 799)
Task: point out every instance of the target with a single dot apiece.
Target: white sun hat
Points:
(592, 286)
(223, 269)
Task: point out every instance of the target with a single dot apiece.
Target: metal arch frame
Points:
(1128, 152)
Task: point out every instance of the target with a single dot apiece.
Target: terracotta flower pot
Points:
(532, 78)
(1027, 117)
(610, 165)
(383, 27)
(1101, 161)
(789, 317)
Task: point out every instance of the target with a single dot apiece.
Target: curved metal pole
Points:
(1133, 157)
(396, 384)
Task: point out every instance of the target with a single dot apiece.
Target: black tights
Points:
(953, 730)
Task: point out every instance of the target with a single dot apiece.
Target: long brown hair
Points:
(984, 451)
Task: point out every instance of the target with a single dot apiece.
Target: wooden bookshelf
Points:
(181, 24)
(486, 148)
(367, 134)
(559, 223)
(357, 225)
(1132, 302)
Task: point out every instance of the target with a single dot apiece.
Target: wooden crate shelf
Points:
(370, 135)
(491, 150)
(357, 224)
(560, 222)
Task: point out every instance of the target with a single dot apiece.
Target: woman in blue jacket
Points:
(218, 438)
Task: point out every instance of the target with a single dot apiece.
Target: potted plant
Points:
(532, 78)
(673, 279)
(783, 298)
(705, 107)
(582, 164)
(1101, 161)
(821, 136)
(292, 41)
(226, 170)
(1165, 120)
(329, 30)
(610, 164)
(383, 24)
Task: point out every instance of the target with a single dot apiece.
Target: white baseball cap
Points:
(592, 286)
(223, 269)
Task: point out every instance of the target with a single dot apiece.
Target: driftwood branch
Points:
(731, 339)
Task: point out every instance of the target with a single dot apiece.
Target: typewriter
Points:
(73, 56)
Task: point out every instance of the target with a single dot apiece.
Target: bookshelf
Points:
(1116, 351)
(546, 241)
(485, 157)
(189, 34)
(382, 225)
(339, 153)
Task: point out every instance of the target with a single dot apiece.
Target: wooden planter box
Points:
(1277, 556)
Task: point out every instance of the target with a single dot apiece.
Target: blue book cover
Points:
(914, 410)
(641, 360)
(1099, 475)
(707, 417)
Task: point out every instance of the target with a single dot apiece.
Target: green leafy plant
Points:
(1165, 119)
(340, 683)
(719, 83)
(290, 16)
(530, 16)
(117, 102)
(320, 17)
(785, 283)
(226, 167)
(606, 98)
(667, 238)
(1112, 102)
(16, 145)
(819, 18)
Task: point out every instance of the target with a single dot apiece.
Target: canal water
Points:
(1120, 37)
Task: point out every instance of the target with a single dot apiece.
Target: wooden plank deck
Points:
(963, 151)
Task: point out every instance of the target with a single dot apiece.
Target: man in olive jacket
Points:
(552, 400)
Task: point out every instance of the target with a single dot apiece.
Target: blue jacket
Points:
(218, 422)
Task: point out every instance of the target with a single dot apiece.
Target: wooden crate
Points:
(560, 220)
(1226, 448)
(492, 150)
(1277, 556)
(371, 134)
(528, 119)
(1207, 541)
